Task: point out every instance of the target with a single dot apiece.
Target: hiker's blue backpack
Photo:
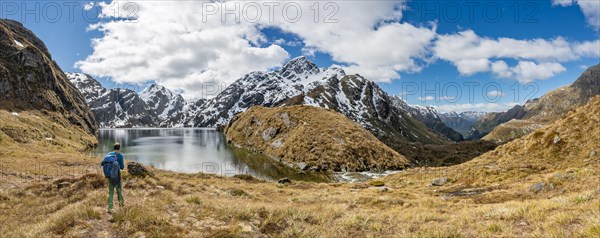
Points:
(111, 168)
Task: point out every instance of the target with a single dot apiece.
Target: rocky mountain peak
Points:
(155, 106)
(589, 82)
(156, 90)
(298, 67)
(88, 86)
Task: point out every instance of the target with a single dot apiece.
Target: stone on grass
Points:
(439, 181)
(137, 170)
(284, 181)
(537, 187)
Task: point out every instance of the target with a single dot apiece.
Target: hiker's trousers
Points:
(111, 193)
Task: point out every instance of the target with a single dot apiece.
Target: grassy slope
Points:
(510, 130)
(488, 196)
(547, 109)
(318, 137)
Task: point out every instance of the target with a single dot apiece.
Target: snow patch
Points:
(19, 44)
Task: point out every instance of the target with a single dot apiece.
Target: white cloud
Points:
(501, 69)
(177, 44)
(281, 41)
(472, 66)
(169, 42)
(447, 98)
(588, 49)
(371, 42)
(494, 94)
(432, 98)
(472, 54)
(590, 9)
(88, 6)
(481, 107)
(563, 3)
(527, 71)
(467, 45)
(426, 98)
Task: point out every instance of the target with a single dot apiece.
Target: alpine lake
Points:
(205, 150)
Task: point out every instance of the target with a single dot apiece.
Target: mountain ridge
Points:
(298, 78)
(540, 111)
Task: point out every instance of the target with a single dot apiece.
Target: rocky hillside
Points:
(312, 138)
(31, 81)
(538, 112)
(363, 101)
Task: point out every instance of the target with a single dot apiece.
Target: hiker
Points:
(112, 164)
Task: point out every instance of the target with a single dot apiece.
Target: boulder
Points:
(137, 170)
(269, 133)
(537, 187)
(284, 181)
(439, 181)
(556, 139)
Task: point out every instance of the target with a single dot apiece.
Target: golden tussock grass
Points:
(490, 196)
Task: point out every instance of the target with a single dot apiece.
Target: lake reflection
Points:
(194, 150)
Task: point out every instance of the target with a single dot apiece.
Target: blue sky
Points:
(434, 75)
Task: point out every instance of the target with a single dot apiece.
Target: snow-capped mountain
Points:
(298, 82)
(113, 107)
(156, 106)
(301, 82)
(261, 88)
(168, 107)
(461, 122)
(364, 102)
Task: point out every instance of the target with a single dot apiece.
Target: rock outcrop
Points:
(31, 80)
